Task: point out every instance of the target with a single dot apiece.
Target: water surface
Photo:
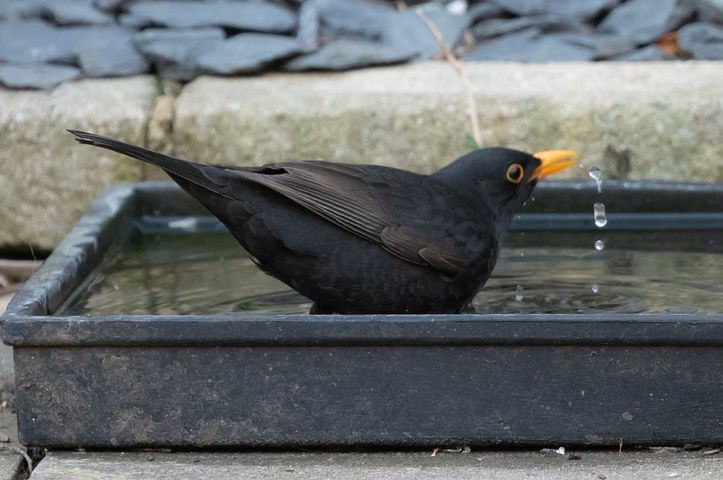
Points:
(538, 272)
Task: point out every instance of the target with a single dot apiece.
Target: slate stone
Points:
(580, 9)
(21, 9)
(710, 11)
(129, 21)
(40, 76)
(247, 15)
(110, 5)
(61, 12)
(531, 46)
(347, 54)
(247, 52)
(111, 60)
(307, 34)
(35, 41)
(353, 18)
(69, 12)
(651, 53)
(484, 11)
(174, 51)
(604, 45)
(99, 51)
(645, 20)
(407, 33)
(546, 23)
(702, 40)
(107, 51)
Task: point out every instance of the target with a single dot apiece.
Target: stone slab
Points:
(7, 380)
(10, 465)
(11, 461)
(492, 465)
(46, 179)
(650, 121)
(641, 121)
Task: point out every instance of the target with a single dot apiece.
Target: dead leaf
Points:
(669, 44)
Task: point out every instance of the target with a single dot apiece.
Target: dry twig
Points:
(457, 66)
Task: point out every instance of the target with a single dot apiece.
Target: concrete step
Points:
(12, 463)
(485, 464)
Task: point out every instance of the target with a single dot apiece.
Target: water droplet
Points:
(599, 214)
(596, 175)
(518, 294)
(595, 288)
(599, 245)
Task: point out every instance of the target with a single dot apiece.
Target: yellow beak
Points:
(553, 161)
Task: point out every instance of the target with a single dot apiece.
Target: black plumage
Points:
(365, 238)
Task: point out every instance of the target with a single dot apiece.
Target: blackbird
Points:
(361, 239)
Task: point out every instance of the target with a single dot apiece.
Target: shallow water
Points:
(557, 272)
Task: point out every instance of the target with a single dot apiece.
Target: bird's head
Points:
(503, 178)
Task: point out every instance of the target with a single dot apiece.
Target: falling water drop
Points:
(599, 245)
(518, 294)
(595, 288)
(599, 214)
(596, 175)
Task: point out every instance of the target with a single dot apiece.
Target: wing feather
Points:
(373, 203)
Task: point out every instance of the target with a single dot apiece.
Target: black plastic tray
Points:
(210, 381)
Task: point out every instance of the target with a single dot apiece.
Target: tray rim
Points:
(28, 320)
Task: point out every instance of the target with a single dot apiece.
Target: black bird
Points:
(366, 238)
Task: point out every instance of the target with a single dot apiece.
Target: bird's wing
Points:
(412, 216)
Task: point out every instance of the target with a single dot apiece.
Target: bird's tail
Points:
(190, 171)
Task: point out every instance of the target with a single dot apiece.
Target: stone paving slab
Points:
(46, 179)
(10, 465)
(652, 121)
(11, 461)
(488, 465)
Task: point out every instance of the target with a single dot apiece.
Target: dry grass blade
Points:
(457, 66)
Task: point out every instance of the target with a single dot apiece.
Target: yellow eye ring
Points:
(515, 173)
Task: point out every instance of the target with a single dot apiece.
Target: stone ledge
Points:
(666, 115)
(46, 179)
(638, 121)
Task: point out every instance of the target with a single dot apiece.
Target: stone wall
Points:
(638, 121)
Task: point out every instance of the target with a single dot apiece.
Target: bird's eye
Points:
(515, 173)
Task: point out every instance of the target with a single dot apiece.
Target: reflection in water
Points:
(210, 273)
